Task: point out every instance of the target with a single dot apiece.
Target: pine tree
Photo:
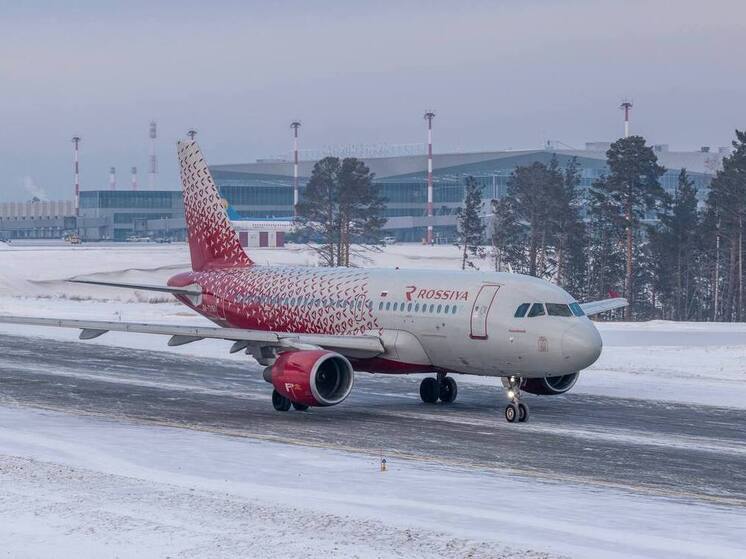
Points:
(340, 205)
(605, 254)
(508, 237)
(533, 189)
(470, 226)
(361, 207)
(570, 232)
(727, 202)
(674, 245)
(632, 188)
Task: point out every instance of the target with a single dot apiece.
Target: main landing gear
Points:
(281, 403)
(515, 410)
(441, 388)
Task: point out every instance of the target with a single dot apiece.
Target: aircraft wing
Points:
(595, 307)
(361, 346)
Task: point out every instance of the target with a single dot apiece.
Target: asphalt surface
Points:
(678, 450)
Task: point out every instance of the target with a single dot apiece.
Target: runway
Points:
(668, 449)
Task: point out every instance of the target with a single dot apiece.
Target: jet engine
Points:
(549, 386)
(311, 377)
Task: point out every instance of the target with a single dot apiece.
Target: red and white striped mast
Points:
(429, 116)
(134, 178)
(626, 106)
(76, 170)
(295, 125)
(153, 160)
(112, 178)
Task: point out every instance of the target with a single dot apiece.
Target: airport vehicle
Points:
(313, 327)
(72, 238)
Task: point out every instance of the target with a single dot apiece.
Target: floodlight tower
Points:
(153, 160)
(112, 178)
(134, 178)
(429, 116)
(295, 125)
(76, 171)
(626, 106)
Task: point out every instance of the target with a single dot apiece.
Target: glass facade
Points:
(269, 195)
(142, 199)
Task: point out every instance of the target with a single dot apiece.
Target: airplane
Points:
(312, 328)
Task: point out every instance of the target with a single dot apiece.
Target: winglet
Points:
(595, 307)
(212, 241)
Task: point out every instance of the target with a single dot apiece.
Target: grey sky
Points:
(499, 74)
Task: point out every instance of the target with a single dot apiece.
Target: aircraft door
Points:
(480, 310)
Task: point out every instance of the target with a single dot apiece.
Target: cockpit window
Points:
(537, 309)
(576, 309)
(521, 310)
(558, 309)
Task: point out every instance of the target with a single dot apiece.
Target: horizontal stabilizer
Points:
(193, 292)
(595, 307)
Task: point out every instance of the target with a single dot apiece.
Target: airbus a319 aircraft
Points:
(313, 327)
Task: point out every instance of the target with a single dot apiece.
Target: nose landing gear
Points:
(515, 410)
(441, 388)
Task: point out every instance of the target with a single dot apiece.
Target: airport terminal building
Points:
(264, 189)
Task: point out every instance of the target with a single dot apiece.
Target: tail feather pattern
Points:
(213, 244)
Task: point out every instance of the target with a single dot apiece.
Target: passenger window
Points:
(447, 308)
(537, 309)
(432, 307)
(396, 306)
(409, 307)
(388, 305)
(576, 309)
(439, 308)
(416, 307)
(380, 306)
(521, 310)
(558, 309)
(453, 309)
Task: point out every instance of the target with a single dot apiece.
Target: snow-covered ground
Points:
(84, 487)
(87, 487)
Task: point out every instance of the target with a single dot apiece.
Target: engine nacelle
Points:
(549, 386)
(311, 377)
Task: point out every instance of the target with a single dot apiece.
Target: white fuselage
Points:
(450, 321)
(465, 322)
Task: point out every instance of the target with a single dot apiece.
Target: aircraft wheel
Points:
(522, 412)
(448, 390)
(511, 413)
(279, 401)
(429, 390)
(300, 407)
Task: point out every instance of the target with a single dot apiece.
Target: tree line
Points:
(672, 255)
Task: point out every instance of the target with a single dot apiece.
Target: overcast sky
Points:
(499, 74)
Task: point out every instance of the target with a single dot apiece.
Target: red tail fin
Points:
(212, 241)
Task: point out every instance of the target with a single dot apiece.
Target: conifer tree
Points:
(470, 226)
(340, 205)
(673, 243)
(727, 202)
(508, 237)
(632, 189)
